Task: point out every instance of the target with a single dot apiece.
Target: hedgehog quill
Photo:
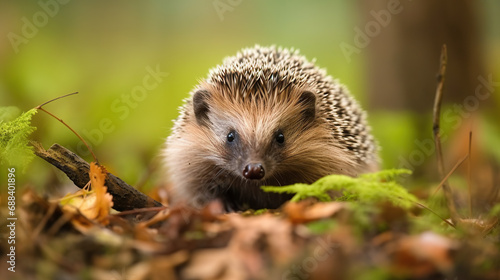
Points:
(266, 116)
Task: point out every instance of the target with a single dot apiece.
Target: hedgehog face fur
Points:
(265, 117)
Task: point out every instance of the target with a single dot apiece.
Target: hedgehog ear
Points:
(308, 100)
(200, 106)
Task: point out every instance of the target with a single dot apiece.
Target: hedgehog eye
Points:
(280, 138)
(230, 136)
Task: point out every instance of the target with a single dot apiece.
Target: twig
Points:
(437, 134)
(39, 107)
(437, 110)
(469, 181)
(63, 96)
(449, 173)
(125, 197)
(432, 211)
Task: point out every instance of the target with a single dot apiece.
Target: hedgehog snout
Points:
(254, 171)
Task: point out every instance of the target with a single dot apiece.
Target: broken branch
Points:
(125, 197)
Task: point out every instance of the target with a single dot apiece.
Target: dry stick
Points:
(469, 183)
(437, 134)
(125, 197)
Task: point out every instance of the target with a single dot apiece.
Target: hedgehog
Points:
(265, 117)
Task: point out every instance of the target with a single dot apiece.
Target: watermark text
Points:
(11, 219)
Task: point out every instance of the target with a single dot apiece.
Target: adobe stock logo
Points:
(223, 6)
(30, 27)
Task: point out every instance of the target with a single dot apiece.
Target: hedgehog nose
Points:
(254, 171)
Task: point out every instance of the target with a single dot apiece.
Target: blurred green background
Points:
(103, 50)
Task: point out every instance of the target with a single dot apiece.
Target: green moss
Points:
(371, 188)
(14, 147)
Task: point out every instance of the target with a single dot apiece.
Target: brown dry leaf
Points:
(214, 264)
(257, 238)
(143, 231)
(93, 206)
(139, 271)
(422, 255)
(307, 211)
(257, 244)
(104, 200)
(159, 267)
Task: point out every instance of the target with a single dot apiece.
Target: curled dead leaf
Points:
(90, 207)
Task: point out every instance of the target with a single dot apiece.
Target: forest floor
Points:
(374, 229)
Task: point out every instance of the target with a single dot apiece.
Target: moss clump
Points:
(14, 144)
(371, 187)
